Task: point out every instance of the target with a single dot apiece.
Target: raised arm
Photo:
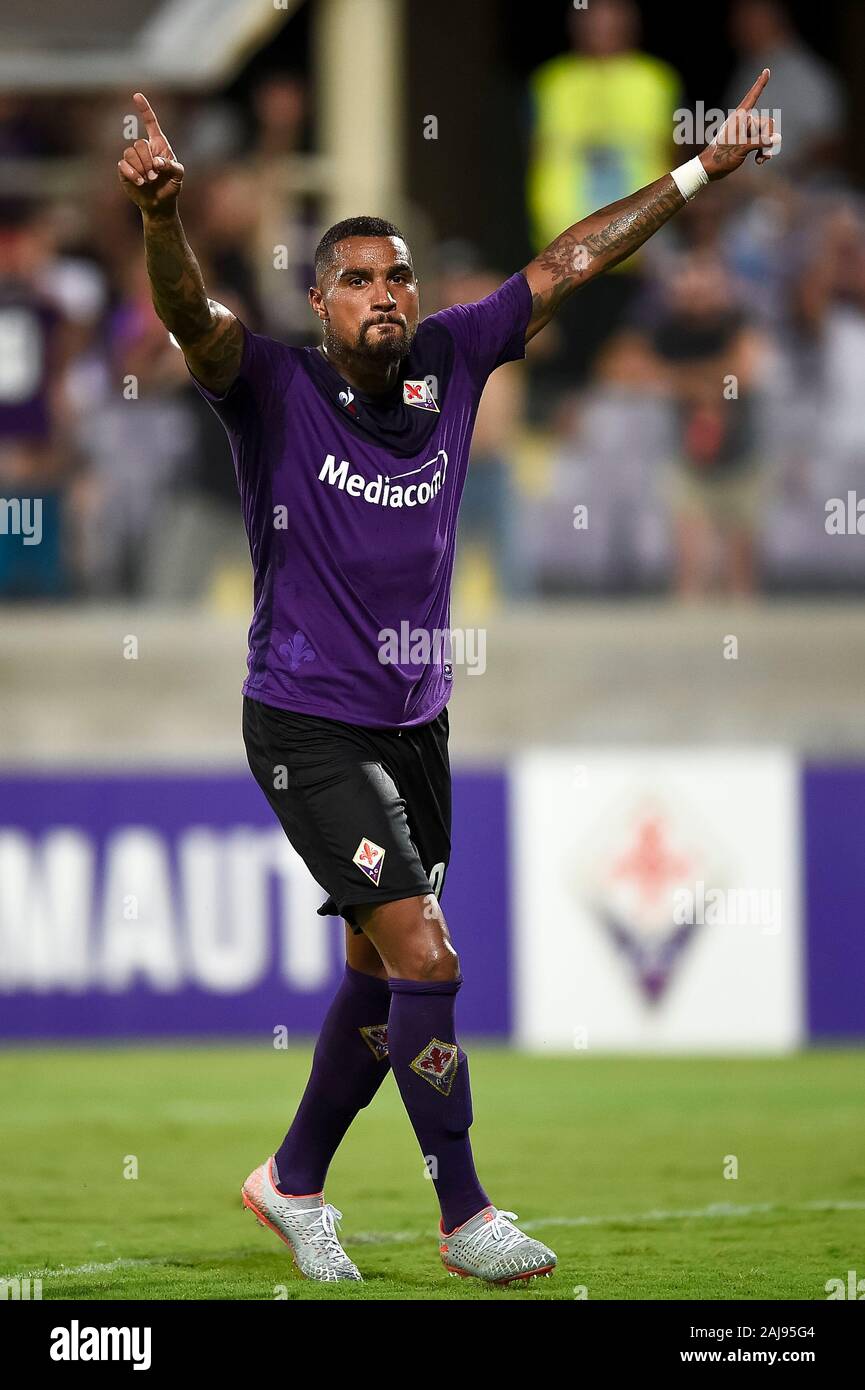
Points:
(606, 237)
(209, 335)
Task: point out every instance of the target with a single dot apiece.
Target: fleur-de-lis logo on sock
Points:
(375, 1037)
(297, 651)
(437, 1064)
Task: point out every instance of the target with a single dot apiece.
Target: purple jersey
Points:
(350, 503)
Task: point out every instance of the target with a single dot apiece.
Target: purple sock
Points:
(348, 1066)
(432, 1073)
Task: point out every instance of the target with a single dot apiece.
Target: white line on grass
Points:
(716, 1209)
(66, 1271)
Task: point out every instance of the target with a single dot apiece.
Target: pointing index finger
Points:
(753, 96)
(147, 114)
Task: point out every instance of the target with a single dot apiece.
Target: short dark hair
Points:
(350, 226)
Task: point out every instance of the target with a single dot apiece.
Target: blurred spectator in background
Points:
(210, 133)
(131, 447)
(804, 89)
(75, 283)
(98, 420)
(289, 220)
(700, 349)
(602, 126)
(226, 226)
(489, 511)
(827, 320)
(279, 108)
(27, 128)
(155, 503)
(33, 353)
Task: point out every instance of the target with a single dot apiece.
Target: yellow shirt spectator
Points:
(603, 127)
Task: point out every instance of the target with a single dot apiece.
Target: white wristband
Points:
(690, 178)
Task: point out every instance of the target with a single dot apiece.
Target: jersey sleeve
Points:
(266, 369)
(492, 330)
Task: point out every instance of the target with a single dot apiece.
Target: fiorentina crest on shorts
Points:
(369, 857)
(437, 1064)
(375, 1037)
(418, 393)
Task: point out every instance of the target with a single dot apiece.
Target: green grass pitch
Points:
(617, 1163)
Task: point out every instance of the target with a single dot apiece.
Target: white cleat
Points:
(489, 1246)
(307, 1224)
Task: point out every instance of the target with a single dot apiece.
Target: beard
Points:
(370, 345)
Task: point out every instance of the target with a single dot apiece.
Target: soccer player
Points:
(350, 460)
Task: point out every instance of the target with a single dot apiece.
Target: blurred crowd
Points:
(680, 426)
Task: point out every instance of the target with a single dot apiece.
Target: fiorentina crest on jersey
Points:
(418, 393)
(369, 857)
(375, 1037)
(437, 1064)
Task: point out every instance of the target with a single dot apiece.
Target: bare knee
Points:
(428, 959)
(412, 938)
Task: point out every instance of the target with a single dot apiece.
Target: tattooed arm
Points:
(595, 244)
(609, 236)
(209, 334)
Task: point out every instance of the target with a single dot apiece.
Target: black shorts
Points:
(368, 810)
